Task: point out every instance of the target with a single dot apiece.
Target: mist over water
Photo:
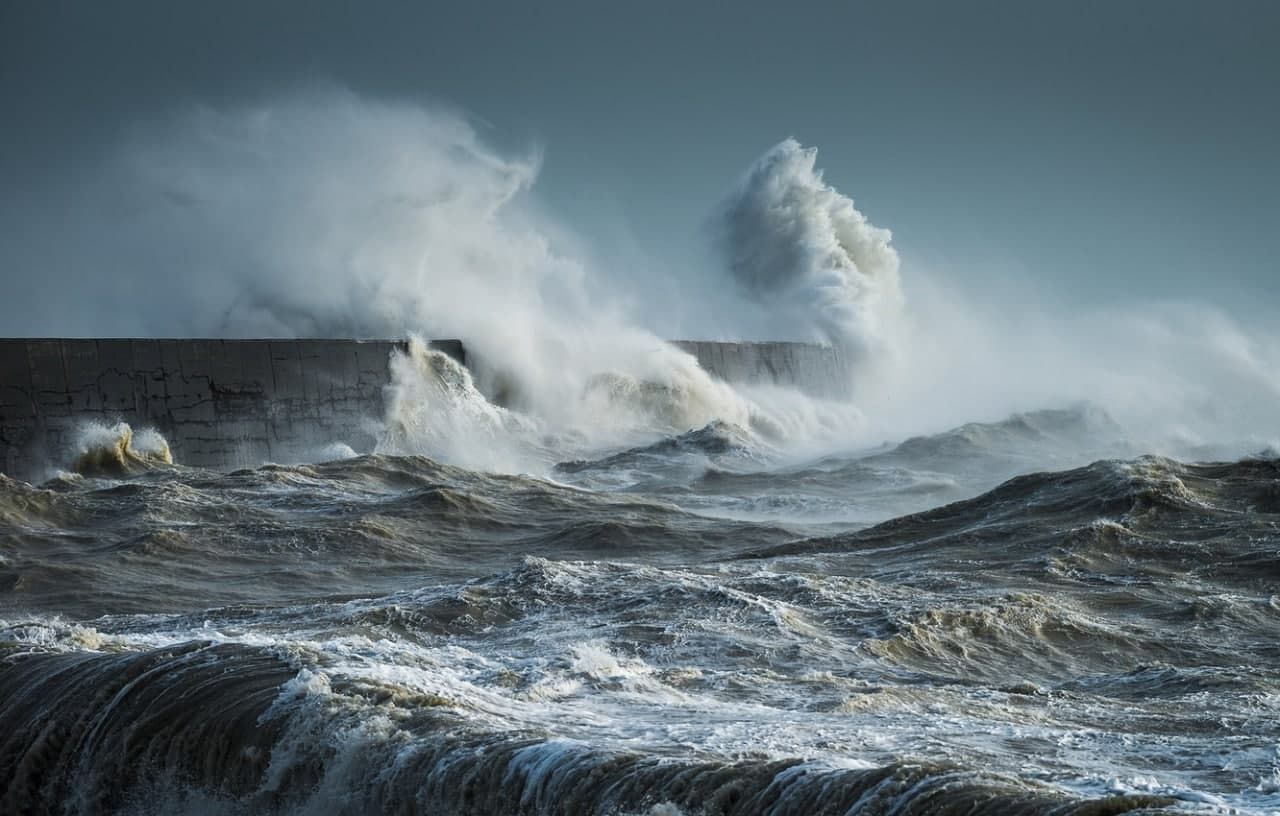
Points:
(1183, 379)
(581, 574)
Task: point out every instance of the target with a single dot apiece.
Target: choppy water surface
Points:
(989, 620)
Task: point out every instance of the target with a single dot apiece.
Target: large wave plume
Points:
(796, 243)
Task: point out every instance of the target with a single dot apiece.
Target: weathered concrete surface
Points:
(219, 403)
(237, 403)
(817, 370)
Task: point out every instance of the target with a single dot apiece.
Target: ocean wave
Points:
(714, 439)
(1012, 639)
(272, 737)
(1172, 508)
(117, 451)
(1036, 440)
(416, 625)
(349, 526)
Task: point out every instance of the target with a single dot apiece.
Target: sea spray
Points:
(325, 213)
(797, 244)
(436, 407)
(320, 212)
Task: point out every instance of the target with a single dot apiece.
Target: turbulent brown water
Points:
(693, 625)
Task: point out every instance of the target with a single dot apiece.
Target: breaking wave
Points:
(438, 407)
(271, 737)
(115, 450)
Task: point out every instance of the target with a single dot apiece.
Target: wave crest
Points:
(115, 450)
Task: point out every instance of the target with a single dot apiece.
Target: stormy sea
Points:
(574, 578)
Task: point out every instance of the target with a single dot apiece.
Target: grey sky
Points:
(1106, 149)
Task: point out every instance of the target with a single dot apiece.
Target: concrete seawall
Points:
(237, 403)
(816, 370)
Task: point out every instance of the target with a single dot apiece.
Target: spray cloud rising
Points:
(796, 243)
(325, 213)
